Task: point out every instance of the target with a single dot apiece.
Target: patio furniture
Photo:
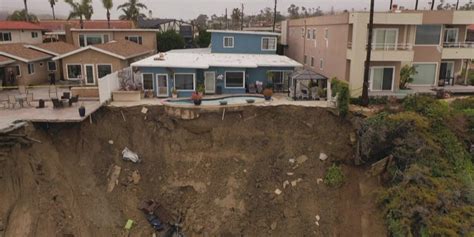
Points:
(73, 99)
(22, 90)
(57, 103)
(54, 91)
(66, 95)
(12, 101)
(252, 88)
(29, 99)
(20, 99)
(299, 82)
(314, 93)
(304, 94)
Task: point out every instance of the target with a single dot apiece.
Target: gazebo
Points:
(299, 84)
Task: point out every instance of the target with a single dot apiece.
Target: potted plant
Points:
(174, 93)
(82, 110)
(267, 93)
(197, 98)
(200, 89)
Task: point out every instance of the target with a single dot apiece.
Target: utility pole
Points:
(457, 5)
(226, 23)
(242, 18)
(365, 86)
(432, 4)
(274, 15)
(391, 4)
(416, 5)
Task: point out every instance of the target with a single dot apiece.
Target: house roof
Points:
(19, 25)
(5, 60)
(122, 49)
(22, 53)
(54, 48)
(203, 59)
(152, 23)
(122, 30)
(60, 25)
(244, 32)
(470, 27)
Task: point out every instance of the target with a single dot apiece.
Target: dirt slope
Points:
(220, 175)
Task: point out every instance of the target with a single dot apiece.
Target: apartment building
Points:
(434, 42)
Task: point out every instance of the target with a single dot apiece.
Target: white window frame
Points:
(32, 70)
(436, 72)
(431, 45)
(308, 33)
(326, 36)
(55, 66)
(94, 76)
(225, 80)
(6, 32)
(321, 64)
(269, 49)
(153, 78)
(184, 73)
(74, 64)
(34, 34)
(92, 34)
(135, 36)
(228, 37)
(372, 76)
(385, 45)
(312, 61)
(448, 29)
(156, 88)
(103, 64)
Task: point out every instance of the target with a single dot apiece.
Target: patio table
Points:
(20, 99)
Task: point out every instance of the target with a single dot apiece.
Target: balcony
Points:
(387, 52)
(458, 50)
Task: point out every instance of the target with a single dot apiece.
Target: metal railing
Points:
(387, 47)
(468, 44)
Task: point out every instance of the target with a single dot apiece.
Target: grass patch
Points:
(334, 176)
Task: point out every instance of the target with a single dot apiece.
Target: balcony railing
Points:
(468, 44)
(387, 47)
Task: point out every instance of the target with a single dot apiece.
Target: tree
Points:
(204, 39)
(293, 11)
(131, 10)
(108, 4)
(468, 6)
(20, 15)
(26, 10)
(444, 6)
(432, 4)
(81, 10)
(365, 85)
(416, 4)
(52, 3)
(201, 21)
(406, 75)
(169, 40)
(235, 17)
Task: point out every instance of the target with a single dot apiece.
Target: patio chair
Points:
(29, 99)
(304, 94)
(11, 101)
(22, 90)
(252, 88)
(314, 93)
(66, 95)
(53, 90)
(73, 99)
(57, 103)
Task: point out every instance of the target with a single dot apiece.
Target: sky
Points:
(190, 9)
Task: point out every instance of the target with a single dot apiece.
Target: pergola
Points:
(304, 75)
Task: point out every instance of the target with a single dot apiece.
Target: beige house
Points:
(20, 32)
(88, 37)
(434, 42)
(89, 63)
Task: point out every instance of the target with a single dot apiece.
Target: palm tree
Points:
(52, 3)
(131, 10)
(81, 10)
(20, 15)
(26, 10)
(416, 4)
(108, 4)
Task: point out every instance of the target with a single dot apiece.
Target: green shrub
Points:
(334, 176)
(341, 88)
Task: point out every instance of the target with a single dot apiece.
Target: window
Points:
(302, 32)
(91, 39)
(308, 34)
(425, 74)
(314, 34)
(312, 61)
(321, 63)
(234, 79)
(326, 33)
(280, 80)
(31, 68)
(451, 35)
(428, 34)
(16, 70)
(228, 42)
(34, 34)
(381, 78)
(74, 71)
(104, 70)
(305, 59)
(135, 38)
(147, 81)
(5, 36)
(184, 81)
(268, 43)
(52, 66)
(385, 39)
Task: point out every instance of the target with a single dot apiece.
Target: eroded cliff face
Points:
(219, 176)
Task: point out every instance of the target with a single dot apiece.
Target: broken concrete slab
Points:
(278, 191)
(323, 156)
(286, 183)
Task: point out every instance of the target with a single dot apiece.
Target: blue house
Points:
(235, 61)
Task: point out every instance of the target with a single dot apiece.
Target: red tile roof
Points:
(56, 48)
(18, 51)
(59, 25)
(19, 25)
(5, 60)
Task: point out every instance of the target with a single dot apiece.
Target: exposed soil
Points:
(220, 175)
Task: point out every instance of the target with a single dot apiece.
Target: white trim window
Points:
(426, 73)
(147, 82)
(91, 39)
(385, 39)
(269, 43)
(34, 34)
(308, 34)
(31, 68)
(228, 42)
(135, 38)
(451, 35)
(74, 71)
(17, 70)
(428, 34)
(103, 70)
(382, 78)
(185, 81)
(312, 61)
(52, 66)
(326, 36)
(314, 34)
(5, 36)
(305, 59)
(321, 64)
(235, 79)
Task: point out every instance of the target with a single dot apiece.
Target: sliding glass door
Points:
(381, 78)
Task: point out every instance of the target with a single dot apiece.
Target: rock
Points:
(352, 137)
(292, 161)
(111, 142)
(318, 217)
(293, 183)
(245, 171)
(208, 165)
(286, 183)
(323, 156)
(135, 177)
(144, 110)
(113, 179)
(198, 228)
(301, 159)
(319, 180)
(290, 173)
(278, 191)
(273, 226)
(317, 223)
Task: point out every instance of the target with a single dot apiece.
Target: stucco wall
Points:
(243, 43)
(148, 37)
(40, 76)
(23, 36)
